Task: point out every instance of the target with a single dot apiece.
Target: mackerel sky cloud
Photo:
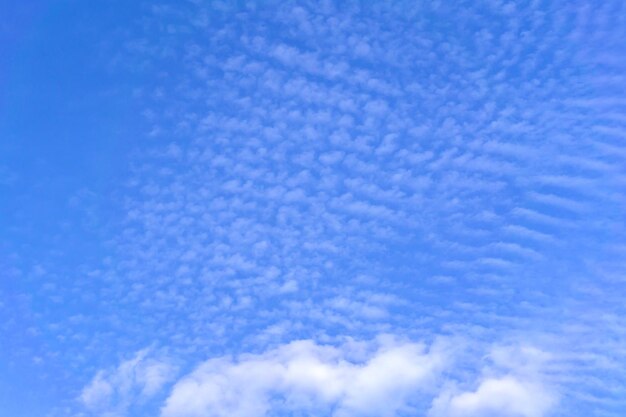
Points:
(343, 209)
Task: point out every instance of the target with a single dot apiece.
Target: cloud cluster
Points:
(385, 377)
(303, 376)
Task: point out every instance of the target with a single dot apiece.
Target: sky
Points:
(312, 208)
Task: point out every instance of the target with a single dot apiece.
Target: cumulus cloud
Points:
(512, 386)
(366, 379)
(383, 377)
(112, 392)
(505, 396)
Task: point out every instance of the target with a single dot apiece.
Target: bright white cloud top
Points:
(383, 377)
(321, 208)
(303, 375)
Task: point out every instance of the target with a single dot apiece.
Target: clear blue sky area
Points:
(344, 209)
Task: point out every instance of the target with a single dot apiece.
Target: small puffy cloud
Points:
(371, 379)
(112, 392)
(508, 396)
(512, 387)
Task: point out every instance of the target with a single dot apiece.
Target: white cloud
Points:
(512, 387)
(508, 396)
(385, 377)
(112, 392)
(367, 379)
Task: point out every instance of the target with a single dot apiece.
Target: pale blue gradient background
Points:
(201, 178)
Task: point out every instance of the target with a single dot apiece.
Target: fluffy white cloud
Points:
(508, 396)
(112, 392)
(372, 379)
(512, 387)
(384, 377)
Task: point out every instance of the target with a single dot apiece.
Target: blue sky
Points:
(342, 209)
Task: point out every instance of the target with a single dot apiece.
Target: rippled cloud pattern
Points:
(359, 209)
